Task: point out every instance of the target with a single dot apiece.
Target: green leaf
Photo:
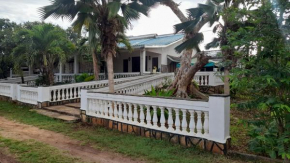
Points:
(191, 43)
(114, 8)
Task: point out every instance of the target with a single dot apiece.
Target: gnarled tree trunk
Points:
(184, 84)
(186, 72)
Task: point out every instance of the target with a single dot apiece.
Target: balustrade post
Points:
(130, 112)
(199, 123)
(170, 120)
(115, 110)
(84, 100)
(110, 109)
(125, 112)
(142, 116)
(155, 118)
(192, 123)
(162, 118)
(148, 115)
(184, 122)
(120, 111)
(177, 120)
(219, 118)
(96, 104)
(44, 95)
(135, 113)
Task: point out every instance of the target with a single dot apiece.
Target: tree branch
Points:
(175, 8)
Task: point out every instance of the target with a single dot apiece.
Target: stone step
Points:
(55, 115)
(65, 110)
(74, 105)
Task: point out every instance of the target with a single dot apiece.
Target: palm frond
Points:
(139, 8)
(113, 8)
(123, 39)
(190, 43)
(213, 44)
(129, 14)
(195, 12)
(186, 26)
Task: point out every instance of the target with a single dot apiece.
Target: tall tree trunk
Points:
(95, 65)
(109, 46)
(110, 69)
(226, 81)
(50, 76)
(22, 79)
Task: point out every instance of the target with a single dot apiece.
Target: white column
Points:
(219, 118)
(60, 71)
(142, 61)
(11, 73)
(76, 64)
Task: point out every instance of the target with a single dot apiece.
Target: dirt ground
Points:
(18, 131)
(4, 158)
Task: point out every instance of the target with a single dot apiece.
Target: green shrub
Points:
(159, 92)
(90, 78)
(81, 78)
(41, 81)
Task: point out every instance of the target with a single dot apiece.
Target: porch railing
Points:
(102, 76)
(211, 78)
(138, 86)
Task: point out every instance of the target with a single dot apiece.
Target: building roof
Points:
(153, 40)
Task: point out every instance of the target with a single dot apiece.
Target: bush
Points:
(90, 78)
(41, 81)
(159, 92)
(82, 77)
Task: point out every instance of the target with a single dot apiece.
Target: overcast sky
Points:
(161, 19)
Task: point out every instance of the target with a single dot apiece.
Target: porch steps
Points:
(74, 105)
(62, 109)
(68, 112)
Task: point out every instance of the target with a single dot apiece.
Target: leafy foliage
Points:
(263, 76)
(82, 77)
(159, 92)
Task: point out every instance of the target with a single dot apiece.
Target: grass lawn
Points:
(101, 138)
(31, 151)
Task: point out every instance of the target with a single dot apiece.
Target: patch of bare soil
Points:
(4, 158)
(74, 148)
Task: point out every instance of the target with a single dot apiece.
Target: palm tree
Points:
(103, 20)
(46, 45)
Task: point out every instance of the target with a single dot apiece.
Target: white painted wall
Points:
(118, 60)
(165, 51)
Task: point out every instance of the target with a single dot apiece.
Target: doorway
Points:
(125, 65)
(155, 63)
(135, 64)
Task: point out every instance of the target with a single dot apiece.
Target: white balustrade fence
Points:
(138, 87)
(209, 120)
(208, 78)
(126, 75)
(27, 95)
(33, 95)
(72, 91)
(102, 76)
(5, 89)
